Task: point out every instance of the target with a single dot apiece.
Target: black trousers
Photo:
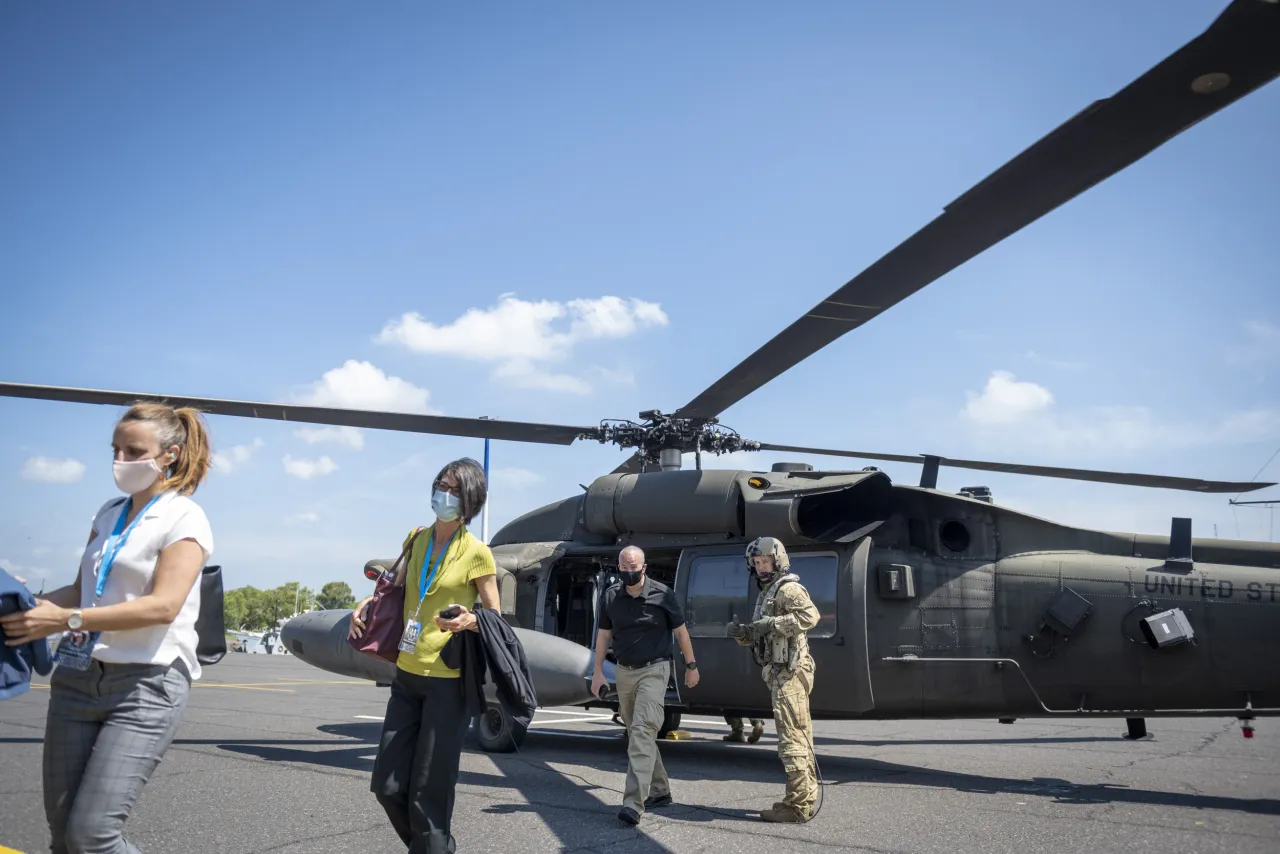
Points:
(416, 770)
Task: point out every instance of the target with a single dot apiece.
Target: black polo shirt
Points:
(641, 625)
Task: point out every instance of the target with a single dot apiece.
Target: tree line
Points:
(250, 609)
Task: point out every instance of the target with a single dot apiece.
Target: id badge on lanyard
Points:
(413, 627)
(75, 649)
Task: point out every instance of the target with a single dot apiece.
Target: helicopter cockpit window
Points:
(818, 573)
(717, 592)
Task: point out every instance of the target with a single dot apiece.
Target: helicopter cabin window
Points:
(818, 573)
(720, 591)
(717, 592)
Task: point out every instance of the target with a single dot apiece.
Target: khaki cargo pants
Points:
(642, 696)
(795, 736)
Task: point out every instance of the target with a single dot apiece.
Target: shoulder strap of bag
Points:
(401, 566)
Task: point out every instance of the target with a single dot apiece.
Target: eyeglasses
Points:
(451, 488)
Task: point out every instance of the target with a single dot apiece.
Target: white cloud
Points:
(47, 470)
(361, 385)
(1006, 400)
(350, 436)
(615, 376)
(236, 456)
(1012, 415)
(307, 469)
(308, 518)
(520, 336)
(514, 478)
(522, 373)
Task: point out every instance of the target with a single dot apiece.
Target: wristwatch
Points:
(76, 620)
(691, 665)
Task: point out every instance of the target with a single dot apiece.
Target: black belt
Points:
(648, 663)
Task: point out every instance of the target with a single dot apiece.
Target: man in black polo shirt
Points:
(640, 615)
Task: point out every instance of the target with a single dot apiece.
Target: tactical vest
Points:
(776, 652)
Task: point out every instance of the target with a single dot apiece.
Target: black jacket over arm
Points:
(494, 649)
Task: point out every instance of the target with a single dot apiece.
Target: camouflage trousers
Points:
(737, 723)
(795, 737)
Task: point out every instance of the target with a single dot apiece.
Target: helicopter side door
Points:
(714, 588)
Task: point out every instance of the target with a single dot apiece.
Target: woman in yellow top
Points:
(416, 770)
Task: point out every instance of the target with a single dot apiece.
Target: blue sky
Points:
(561, 212)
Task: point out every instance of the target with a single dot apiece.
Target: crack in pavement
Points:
(1103, 818)
(334, 835)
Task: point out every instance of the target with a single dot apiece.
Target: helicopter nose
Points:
(559, 669)
(320, 639)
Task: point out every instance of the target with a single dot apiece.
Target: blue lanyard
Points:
(424, 581)
(115, 542)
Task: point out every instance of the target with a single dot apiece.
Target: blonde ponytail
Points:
(193, 463)
(182, 427)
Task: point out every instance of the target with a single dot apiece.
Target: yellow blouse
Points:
(466, 560)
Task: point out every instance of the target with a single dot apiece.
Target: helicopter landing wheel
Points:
(1137, 730)
(495, 731)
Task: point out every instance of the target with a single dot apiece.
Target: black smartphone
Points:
(451, 612)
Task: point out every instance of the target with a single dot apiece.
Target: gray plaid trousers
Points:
(106, 730)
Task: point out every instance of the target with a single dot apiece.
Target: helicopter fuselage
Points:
(933, 604)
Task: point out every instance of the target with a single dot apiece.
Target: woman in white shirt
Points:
(128, 650)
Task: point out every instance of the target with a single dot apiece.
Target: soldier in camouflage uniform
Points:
(735, 729)
(776, 635)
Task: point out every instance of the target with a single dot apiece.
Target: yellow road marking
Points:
(4, 850)
(316, 682)
(271, 686)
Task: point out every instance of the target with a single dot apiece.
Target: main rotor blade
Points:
(1158, 481)
(479, 428)
(1237, 54)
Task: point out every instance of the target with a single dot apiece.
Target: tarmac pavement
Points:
(274, 756)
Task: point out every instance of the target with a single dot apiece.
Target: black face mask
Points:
(631, 579)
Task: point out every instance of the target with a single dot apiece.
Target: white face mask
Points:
(133, 477)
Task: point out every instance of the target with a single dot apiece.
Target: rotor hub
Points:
(661, 439)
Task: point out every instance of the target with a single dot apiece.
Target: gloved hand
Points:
(762, 627)
(737, 631)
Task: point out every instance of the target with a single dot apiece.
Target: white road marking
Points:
(559, 721)
(369, 717)
(571, 734)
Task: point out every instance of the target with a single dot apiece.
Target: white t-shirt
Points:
(172, 518)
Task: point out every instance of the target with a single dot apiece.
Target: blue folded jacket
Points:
(17, 662)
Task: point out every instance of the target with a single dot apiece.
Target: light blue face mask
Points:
(447, 507)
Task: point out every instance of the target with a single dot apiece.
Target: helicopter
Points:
(933, 604)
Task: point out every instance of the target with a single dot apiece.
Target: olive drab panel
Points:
(957, 619)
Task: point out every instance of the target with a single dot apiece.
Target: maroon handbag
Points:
(384, 623)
